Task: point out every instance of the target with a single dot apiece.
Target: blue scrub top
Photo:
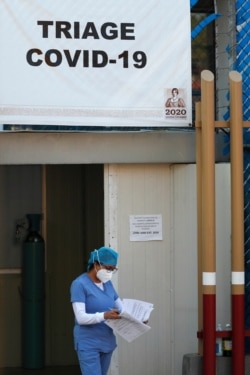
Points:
(93, 336)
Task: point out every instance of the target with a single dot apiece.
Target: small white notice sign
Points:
(145, 227)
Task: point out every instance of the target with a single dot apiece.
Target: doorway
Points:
(74, 226)
(70, 197)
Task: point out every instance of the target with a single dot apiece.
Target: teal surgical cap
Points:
(104, 255)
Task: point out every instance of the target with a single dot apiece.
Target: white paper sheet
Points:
(131, 325)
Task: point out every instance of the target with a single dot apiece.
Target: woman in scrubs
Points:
(94, 300)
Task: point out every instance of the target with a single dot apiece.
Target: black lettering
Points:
(109, 30)
(127, 28)
(100, 59)
(29, 57)
(45, 27)
(76, 30)
(85, 59)
(90, 30)
(49, 60)
(63, 27)
(72, 61)
(68, 30)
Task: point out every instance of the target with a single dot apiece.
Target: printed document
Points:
(134, 316)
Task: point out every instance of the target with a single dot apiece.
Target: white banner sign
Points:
(95, 62)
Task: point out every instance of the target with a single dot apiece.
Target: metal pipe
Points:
(208, 222)
(237, 224)
(199, 220)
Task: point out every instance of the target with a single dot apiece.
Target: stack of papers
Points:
(133, 320)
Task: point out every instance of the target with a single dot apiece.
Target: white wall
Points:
(163, 272)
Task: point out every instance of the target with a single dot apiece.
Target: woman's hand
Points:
(112, 314)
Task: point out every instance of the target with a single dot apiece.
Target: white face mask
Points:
(104, 275)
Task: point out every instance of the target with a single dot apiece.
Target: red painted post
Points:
(238, 334)
(237, 224)
(208, 221)
(209, 322)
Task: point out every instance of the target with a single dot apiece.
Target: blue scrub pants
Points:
(94, 362)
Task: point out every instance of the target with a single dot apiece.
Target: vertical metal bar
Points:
(208, 222)
(237, 224)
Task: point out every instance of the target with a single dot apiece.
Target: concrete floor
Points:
(57, 370)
